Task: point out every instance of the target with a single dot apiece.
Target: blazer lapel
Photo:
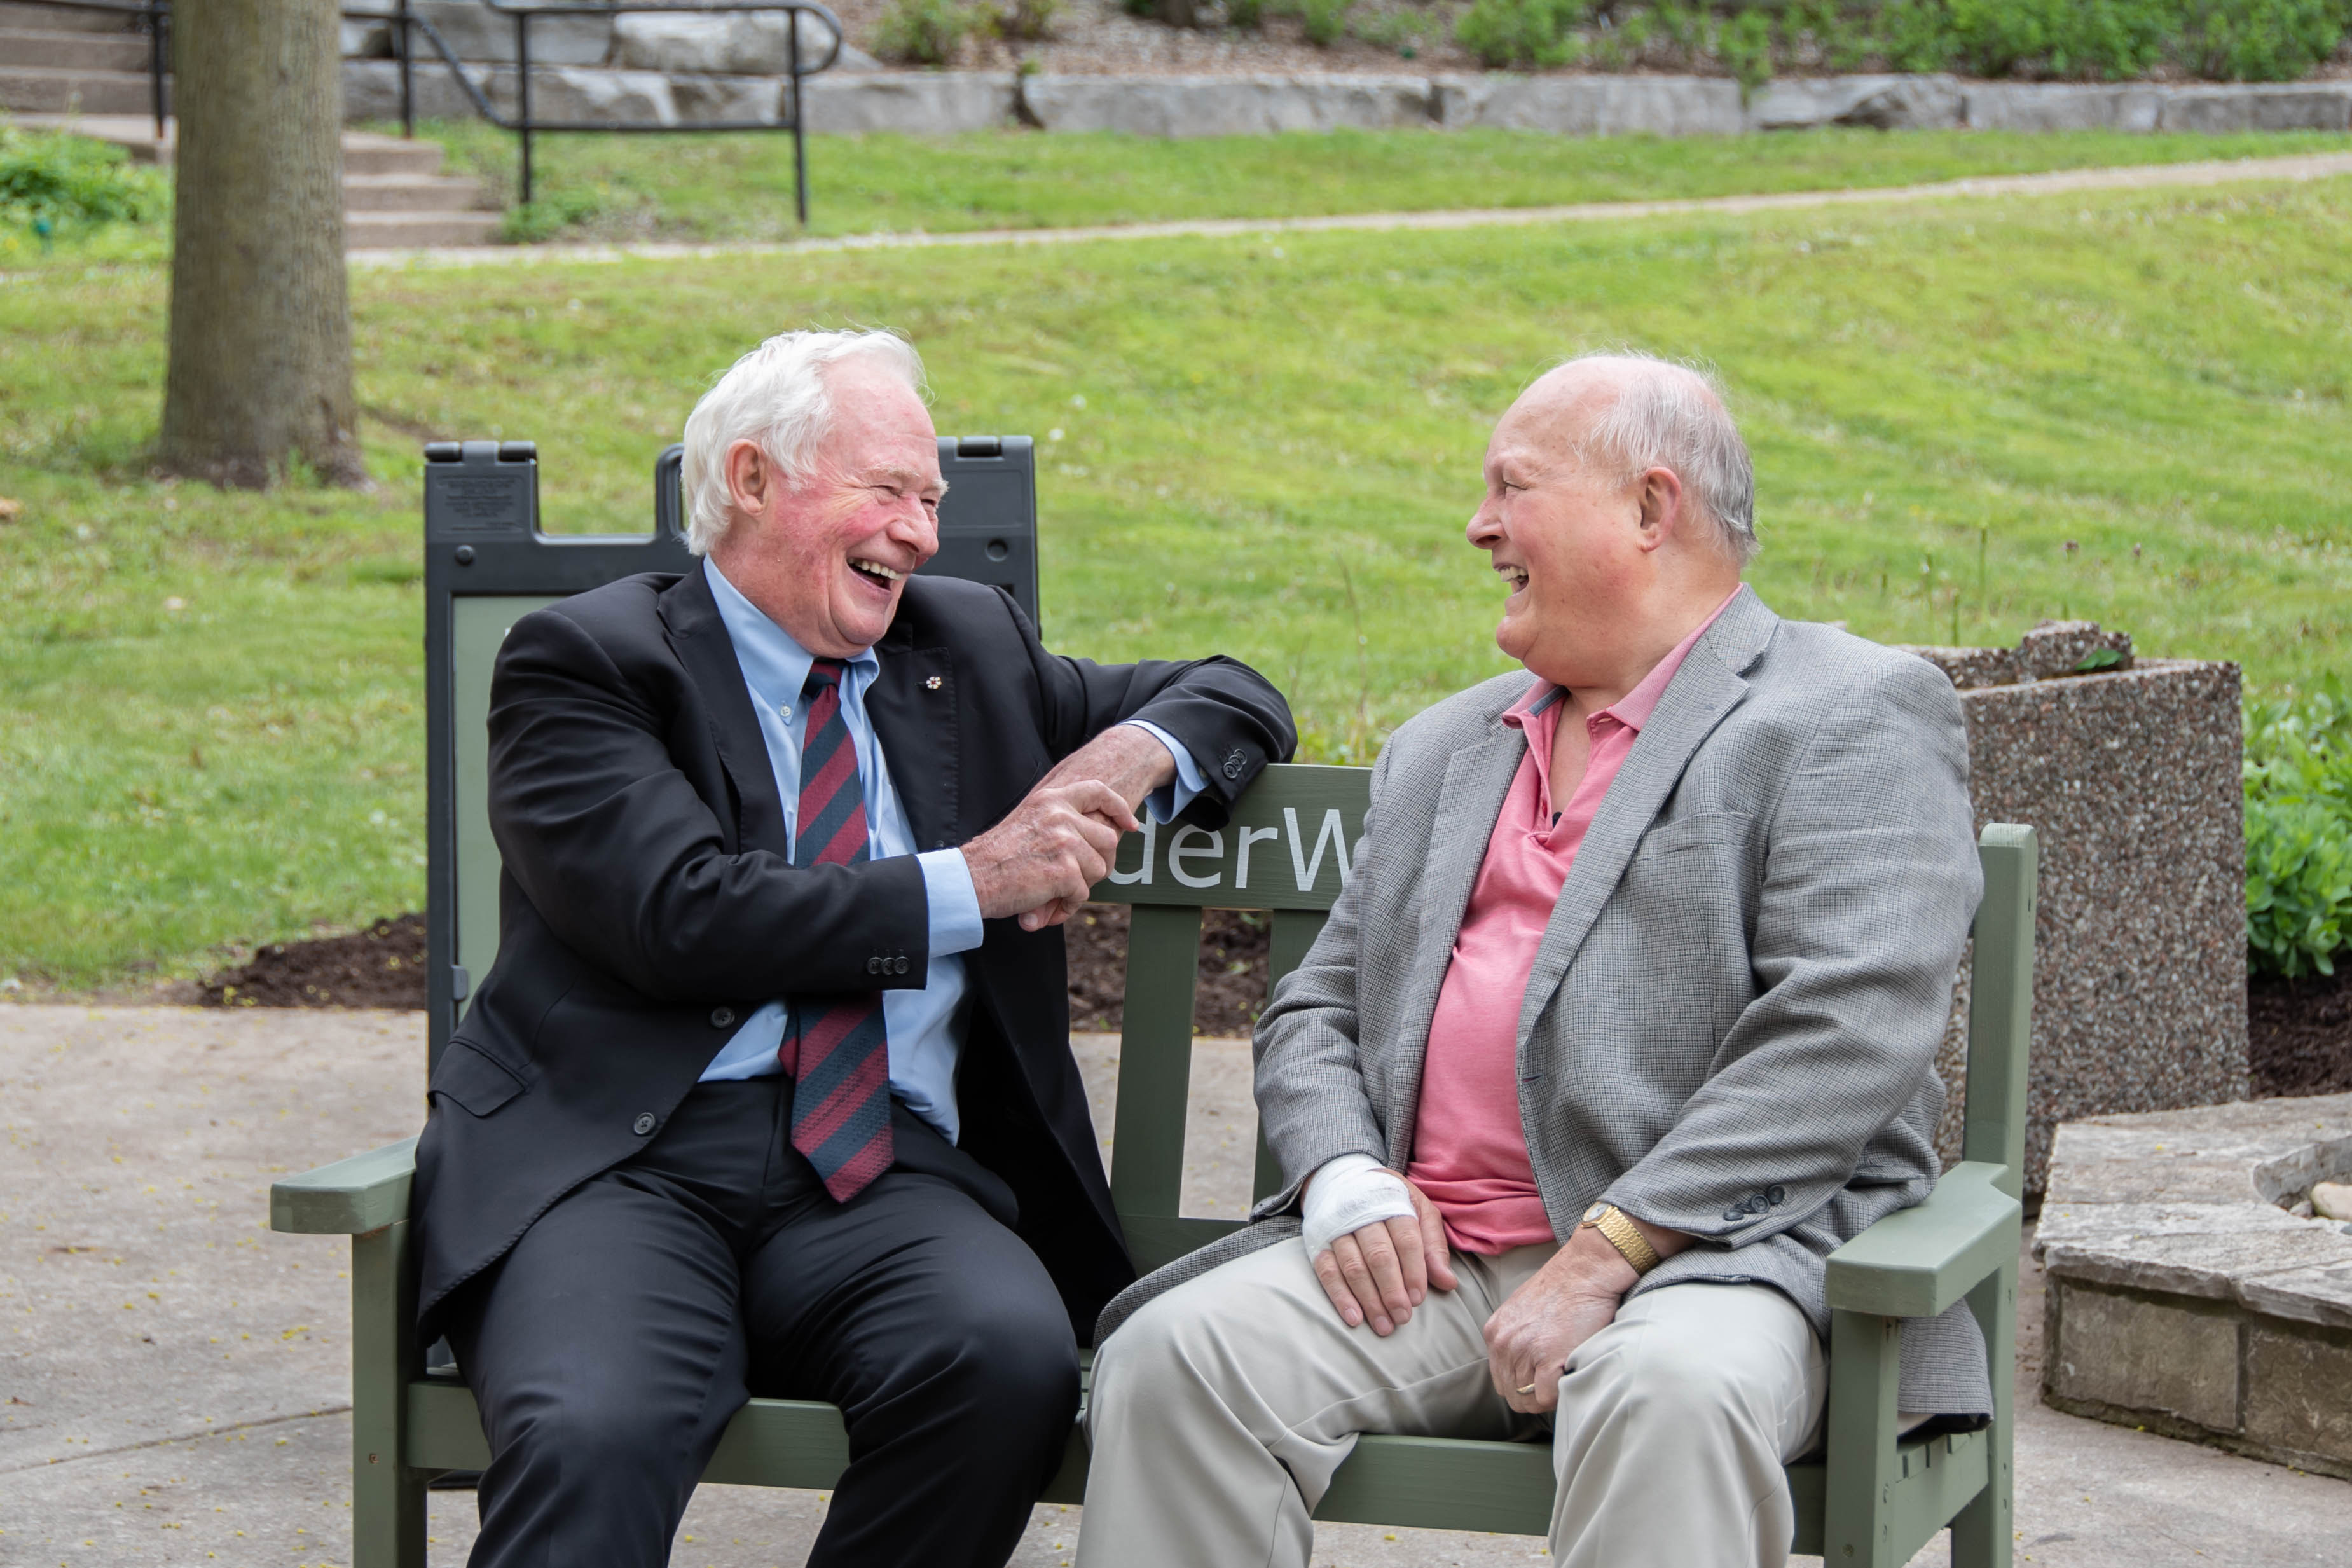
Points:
(699, 639)
(1708, 686)
(912, 706)
(1478, 778)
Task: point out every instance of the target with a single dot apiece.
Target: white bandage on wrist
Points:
(1349, 1194)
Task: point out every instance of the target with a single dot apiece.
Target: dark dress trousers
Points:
(619, 1255)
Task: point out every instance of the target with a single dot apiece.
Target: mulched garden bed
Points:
(2299, 1031)
(2299, 1035)
(383, 966)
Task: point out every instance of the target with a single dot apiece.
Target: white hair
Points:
(776, 396)
(1669, 415)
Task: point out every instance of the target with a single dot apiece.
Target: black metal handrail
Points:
(156, 17)
(525, 126)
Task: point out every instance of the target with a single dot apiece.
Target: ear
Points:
(751, 478)
(1659, 492)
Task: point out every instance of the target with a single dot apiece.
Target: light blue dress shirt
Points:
(925, 1026)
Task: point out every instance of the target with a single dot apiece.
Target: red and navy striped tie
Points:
(838, 1050)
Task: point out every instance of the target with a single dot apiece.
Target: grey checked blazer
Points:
(1731, 1024)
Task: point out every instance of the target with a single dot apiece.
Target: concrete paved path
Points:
(174, 1387)
(2301, 166)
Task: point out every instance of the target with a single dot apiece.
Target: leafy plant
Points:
(1028, 20)
(51, 178)
(1521, 32)
(2298, 784)
(924, 32)
(1324, 20)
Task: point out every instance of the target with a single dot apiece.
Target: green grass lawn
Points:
(740, 186)
(1966, 416)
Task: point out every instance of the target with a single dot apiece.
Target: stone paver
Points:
(127, 1437)
(2305, 166)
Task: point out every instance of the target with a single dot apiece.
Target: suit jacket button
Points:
(644, 1124)
(1776, 1194)
(721, 1017)
(874, 966)
(1734, 1216)
(900, 968)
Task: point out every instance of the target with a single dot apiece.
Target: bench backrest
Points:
(487, 564)
(1290, 849)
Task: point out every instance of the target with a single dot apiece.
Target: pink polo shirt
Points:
(1469, 1145)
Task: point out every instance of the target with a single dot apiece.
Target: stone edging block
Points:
(945, 103)
(2184, 1298)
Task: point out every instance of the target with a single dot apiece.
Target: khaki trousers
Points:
(1219, 1412)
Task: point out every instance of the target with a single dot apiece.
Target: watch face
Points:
(1593, 1215)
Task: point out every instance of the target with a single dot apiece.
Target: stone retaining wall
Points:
(2181, 1295)
(2130, 778)
(942, 103)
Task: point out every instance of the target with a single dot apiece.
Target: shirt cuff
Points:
(1168, 801)
(954, 903)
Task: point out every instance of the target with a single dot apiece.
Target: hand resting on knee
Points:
(1376, 1240)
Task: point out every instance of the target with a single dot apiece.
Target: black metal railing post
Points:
(159, 27)
(400, 46)
(799, 116)
(522, 87)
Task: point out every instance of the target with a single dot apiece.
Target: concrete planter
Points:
(2130, 779)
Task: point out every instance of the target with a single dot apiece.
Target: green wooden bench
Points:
(1876, 1499)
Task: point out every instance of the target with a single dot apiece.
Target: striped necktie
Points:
(836, 1051)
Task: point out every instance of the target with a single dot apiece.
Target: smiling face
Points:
(1568, 543)
(828, 560)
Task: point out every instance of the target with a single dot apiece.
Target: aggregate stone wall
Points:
(2130, 779)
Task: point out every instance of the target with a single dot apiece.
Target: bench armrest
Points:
(350, 1197)
(1916, 1262)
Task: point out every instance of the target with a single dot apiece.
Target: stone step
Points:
(56, 19)
(390, 231)
(375, 193)
(365, 152)
(60, 50)
(38, 89)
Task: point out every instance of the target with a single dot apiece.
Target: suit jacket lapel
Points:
(912, 706)
(699, 639)
(1478, 778)
(1708, 686)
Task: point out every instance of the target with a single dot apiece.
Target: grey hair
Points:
(1674, 414)
(775, 395)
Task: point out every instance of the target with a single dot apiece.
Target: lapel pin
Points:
(931, 682)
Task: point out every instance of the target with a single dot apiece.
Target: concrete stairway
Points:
(86, 72)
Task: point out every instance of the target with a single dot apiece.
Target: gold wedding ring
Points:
(1528, 1389)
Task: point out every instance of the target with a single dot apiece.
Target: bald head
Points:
(1618, 512)
(1620, 414)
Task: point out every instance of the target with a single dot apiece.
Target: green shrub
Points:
(1324, 20)
(924, 32)
(50, 178)
(1521, 32)
(2298, 784)
(2260, 40)
(1028, 20)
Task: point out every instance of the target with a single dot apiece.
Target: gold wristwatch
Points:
(1619, 1230)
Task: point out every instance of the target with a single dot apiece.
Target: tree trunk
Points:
(260, 373)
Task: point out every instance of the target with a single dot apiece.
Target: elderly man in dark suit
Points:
(1625, 1021)
(771, 1089)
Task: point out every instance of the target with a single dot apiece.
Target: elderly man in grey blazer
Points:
(1626, 1020)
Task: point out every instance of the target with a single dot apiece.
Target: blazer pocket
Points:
(471, 1080)
(1701, 830)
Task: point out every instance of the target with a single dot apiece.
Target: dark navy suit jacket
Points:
(648, 902)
